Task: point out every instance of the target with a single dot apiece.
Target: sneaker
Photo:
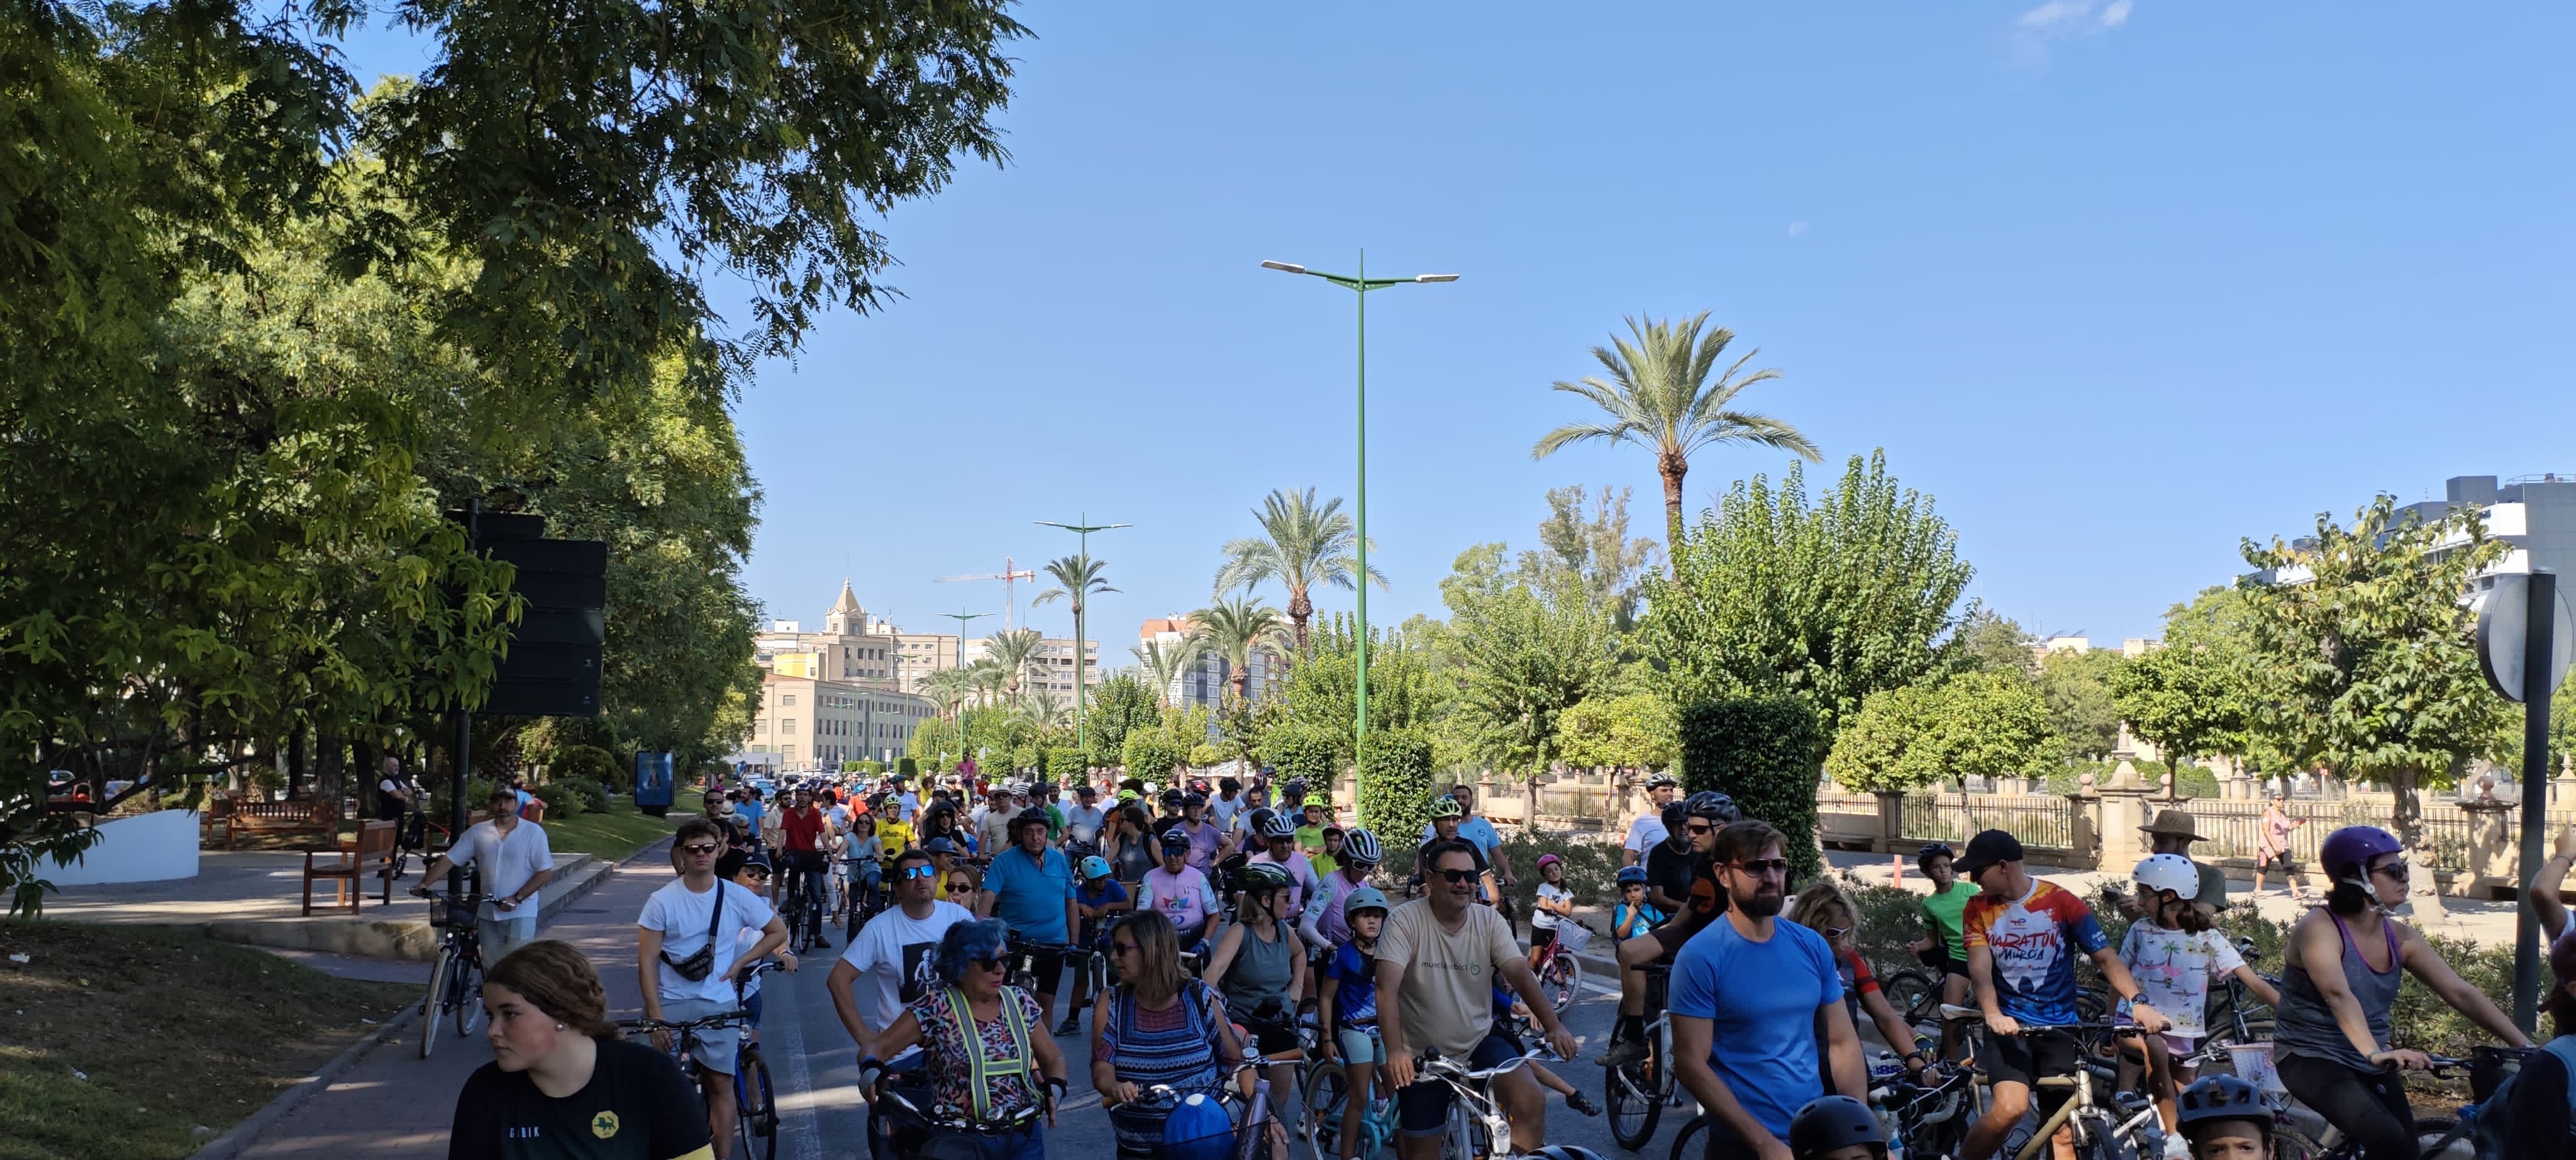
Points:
(1582, 1103)
(1072, 1025)
(1627, 1053)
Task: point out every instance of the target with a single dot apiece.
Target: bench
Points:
(370, 853)
(310, 816)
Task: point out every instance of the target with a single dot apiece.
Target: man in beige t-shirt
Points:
(1437, 960)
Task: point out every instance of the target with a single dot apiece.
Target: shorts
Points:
(2280, 863)
(1423, 1109)
(1541, 936)
(1046, 967)
(499, 936)
(751, 1003)
(717, 1046)
(1940, 960)
(1361, 1045)
(2180, 1045)
(1272, 1038)
(2022, 1059)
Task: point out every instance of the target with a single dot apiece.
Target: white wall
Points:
(143, 848)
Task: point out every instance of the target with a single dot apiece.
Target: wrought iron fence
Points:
(2038, 820)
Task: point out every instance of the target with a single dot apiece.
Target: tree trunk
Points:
(1673, 465)
(1299, 609)
(2423, 887)
(1529, 807)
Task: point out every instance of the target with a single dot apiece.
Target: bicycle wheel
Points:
(2100, 1142)
(1913, 993)
(2442, 1138)
(755, 1115)
(1562, 980)
(1688, 1140)
(1327, 1095)
(465, 985)
(1631, 1097)
(433, 1001)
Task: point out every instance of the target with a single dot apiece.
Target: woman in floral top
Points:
(993, 1086)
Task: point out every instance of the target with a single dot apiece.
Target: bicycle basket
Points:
(1198, 1128)
(444, 912)
(1572, 936)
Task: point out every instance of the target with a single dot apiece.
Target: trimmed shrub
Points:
(1761, 751)
(1395, 793)
(1063, 763)
(594, 796)
(592, 763)
(1151, 754)
(1297, 750)
(562, 798)
(907, 767)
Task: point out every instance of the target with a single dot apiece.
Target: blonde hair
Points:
(1811, 905)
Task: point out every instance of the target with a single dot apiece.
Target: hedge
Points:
(1761, 751)
(1063, 763)
(1152, 755)
(593, 763)
(907, 767)
(1395, 793)
(1297, 750)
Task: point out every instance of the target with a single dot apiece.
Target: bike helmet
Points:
(2223, 1097)
(1447, 807)
(1095, 868)
(1660, 780)
(1255, 818)
(1034, 815)
(939, 845)
(1635, 874)
(2347, 853)
(1714, 806)
(1261, 877)
(1364, 898)
(1565, 1152)
(2169, 872)
(1547, 860)
(1193, 798)
(1673, 817)
(1830, 1122)
(1933, 850)
(1275, 826)
(1176, 842)
(1360, 848)
(1198, 1128)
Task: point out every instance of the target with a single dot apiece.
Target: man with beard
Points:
(1749, 994)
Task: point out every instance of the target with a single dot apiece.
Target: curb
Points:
(240, 1135)
(409, 939)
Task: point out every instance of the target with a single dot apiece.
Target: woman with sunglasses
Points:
(2339, 979)
(1826, 910)
(994, 1071)
(1260, 967)
(1157, 1026)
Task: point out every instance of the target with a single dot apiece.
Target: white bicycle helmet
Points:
(2169, 872)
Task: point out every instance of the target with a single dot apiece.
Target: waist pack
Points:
(698, 966)
(2496, 1115)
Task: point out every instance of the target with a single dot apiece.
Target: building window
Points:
(787, 726)
(788, 700)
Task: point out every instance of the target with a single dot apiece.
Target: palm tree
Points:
(988, 678)
(1302, 544)
(1166, 664)
(1659, 396)
(1236, 627)
(1078, 577)
(1010, 653)
(1042, 711)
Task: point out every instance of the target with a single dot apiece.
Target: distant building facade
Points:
(836, 695)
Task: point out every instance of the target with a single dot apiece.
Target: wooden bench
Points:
(315, 817)
(371, 853)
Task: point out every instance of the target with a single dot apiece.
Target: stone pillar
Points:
(2562, 790)
(2087, 808)
(2493, 862)
(1891, 820)
(2126, 806)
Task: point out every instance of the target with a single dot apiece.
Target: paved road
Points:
(394, 1104)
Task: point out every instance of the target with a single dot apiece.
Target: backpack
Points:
(2496, 1116)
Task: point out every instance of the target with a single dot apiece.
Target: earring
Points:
(559, 1026)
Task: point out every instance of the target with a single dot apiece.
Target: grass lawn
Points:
(612, 835)
(178, 1036)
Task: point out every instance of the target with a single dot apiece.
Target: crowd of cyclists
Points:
(1254, 981)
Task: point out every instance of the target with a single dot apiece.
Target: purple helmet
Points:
(2348, 851)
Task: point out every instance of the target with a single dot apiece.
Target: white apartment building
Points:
(813, 724)
(1206, 683)
(1051, 666)
(921, 654)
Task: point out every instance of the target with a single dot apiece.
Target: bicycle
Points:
(755, 1114)
(2299, 1133)
(860, 902)
(803, 907)
(1635, 1095)
(1560, 971)
(1327, 1098)
(874, 1076)
(1476, 1120)
(1163, 1098)
(455, 986)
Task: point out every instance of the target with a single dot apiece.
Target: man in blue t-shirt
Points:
(1030, 888)
(1748, 993)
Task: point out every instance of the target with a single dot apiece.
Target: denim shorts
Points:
(1361, 1045)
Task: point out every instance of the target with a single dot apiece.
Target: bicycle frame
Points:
(1472, 1107)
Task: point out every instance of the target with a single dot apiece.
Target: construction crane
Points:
(1009, 574)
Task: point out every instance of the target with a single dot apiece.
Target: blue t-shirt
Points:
(1760, 999)
(1356, 1002)
(1474, 830)
(749, 810)
(1029, 896)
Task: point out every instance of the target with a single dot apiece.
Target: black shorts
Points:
(1273, 1038)
(2023, 1059)
(2280, 863)
(1046, 967)
(1423, 1109)
(1541, 936)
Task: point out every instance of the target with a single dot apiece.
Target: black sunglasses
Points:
(699, 849)
(1456, 876)
(1700, 828)
(1760, 866)
(989, 963)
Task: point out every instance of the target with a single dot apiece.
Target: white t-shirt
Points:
(2174, 970)
(1647, 830)
(906, 805)
(683, 917)
(1548, 892)
(894, 954)
(1223, 811)
(507, 862)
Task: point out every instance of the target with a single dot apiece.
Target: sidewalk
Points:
(255, 897)
(396, 1104)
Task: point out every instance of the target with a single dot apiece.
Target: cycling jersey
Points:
(2034, 940)
(1301, 878)
(1185, 898)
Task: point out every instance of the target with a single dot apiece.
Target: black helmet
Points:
(1256, 818)
(1714, 806)
(1295, 787)
(1274, 825)
(1033, 815)
(2223, 1097)
(1931, 850)
(1832, 1122)
(1674, 815)
(1194, 798)
(1265, 876)
(1176, 842)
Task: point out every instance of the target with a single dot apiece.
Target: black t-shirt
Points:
(637, 1106)
(1668, 871)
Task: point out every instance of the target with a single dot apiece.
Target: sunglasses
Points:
(1835, 932)
(988, 963)
(1762, 866)
(699, 849)
(756, 872)
(2396, 871)
(957, 884)
(1453, 877)
(924, 870)
(1700, 828)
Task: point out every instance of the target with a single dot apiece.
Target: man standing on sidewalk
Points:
(516, 861)
(690, 956)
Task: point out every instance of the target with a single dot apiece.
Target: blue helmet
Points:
(1199, 1128)
(1632, 874)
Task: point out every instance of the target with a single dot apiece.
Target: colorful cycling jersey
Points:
(1185, 898)
(1301, 878)
(2029, 937)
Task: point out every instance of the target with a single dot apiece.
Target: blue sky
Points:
(2117, 285)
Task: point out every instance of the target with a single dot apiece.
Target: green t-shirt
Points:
(1944, 909)
(1310, 840)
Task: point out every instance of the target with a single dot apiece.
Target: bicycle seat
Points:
(1955, 1011)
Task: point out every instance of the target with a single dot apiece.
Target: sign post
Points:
(2526, 638)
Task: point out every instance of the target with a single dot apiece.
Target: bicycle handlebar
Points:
(1432, 1061)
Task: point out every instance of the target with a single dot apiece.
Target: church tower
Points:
(846, 617)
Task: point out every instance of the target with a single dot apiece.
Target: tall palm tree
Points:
(1302, 544)
(988, 678)
(1165, 665)
(1042, 711)
(1659, 396)
(1078, 577)
(1237, 627)
(1010, 652)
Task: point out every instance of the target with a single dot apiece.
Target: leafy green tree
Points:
(1295, 749)
(1407, 688)
(1236, 627)
(2077, 686)
(1395, 790)
(1659, 397)
(1623, 731)
(1992, 642)
(1980, 724)
(1303, 544)
(1827, 602)
(1593, 549)
(1152, 754)
(2183, 699)
(1120, 706)
(1526, 655)
(2365, 651)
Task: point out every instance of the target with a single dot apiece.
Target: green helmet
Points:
(1447, 807)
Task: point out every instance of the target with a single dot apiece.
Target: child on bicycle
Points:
(1096, 896)
(751, 872)
(1347, 1006)
(2226, 1118)
(1555, 904)
(2175, 956)
(1633, 915)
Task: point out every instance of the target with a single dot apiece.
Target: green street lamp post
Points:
(1361, 283)
(962, 618)
(1082, 606)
